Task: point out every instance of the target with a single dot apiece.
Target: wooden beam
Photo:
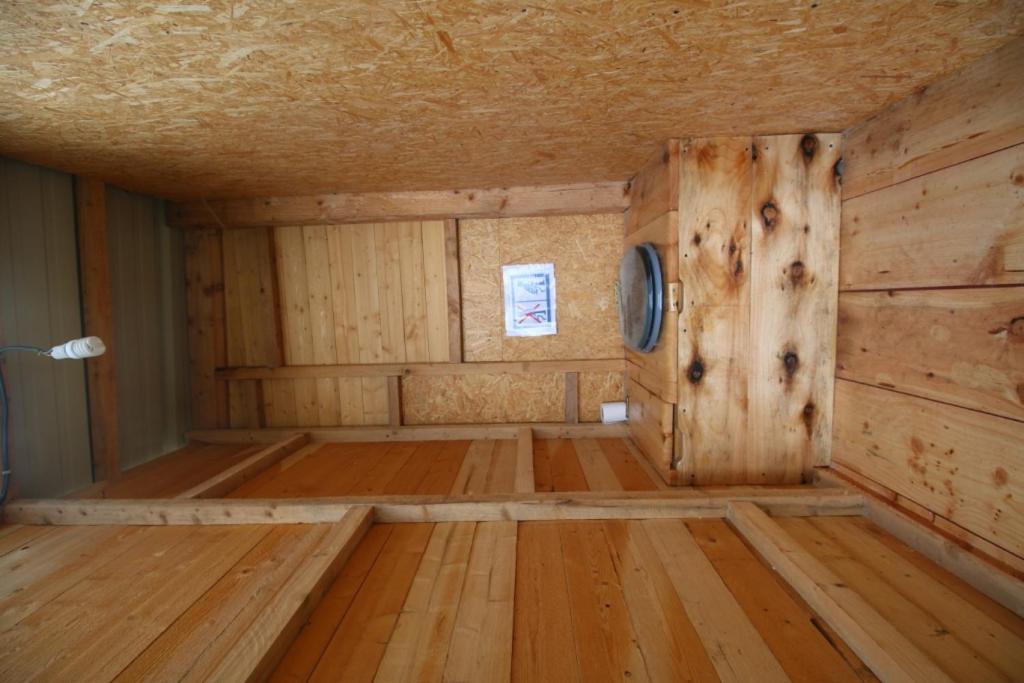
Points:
(877, 642)
(572, 397)
(678, 503)
(525, 482)
(394, 401)
(541, 430)
(421, 369)
(454, 288)
(98, 320)
(1005, 589)
(375, 207)
(257, 648)
(230, 479)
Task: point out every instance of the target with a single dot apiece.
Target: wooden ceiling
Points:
(244, 98)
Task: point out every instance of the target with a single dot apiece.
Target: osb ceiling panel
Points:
(230, 99)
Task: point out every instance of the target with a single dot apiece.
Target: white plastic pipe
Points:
(76, 349)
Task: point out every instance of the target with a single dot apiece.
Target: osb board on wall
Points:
(596, 388)
(465, 399)
(547, 92)
(585, 251)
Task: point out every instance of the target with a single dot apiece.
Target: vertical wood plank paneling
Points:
(290, 257)
(794, 264)
(434, 259)
(204, 281)
(414, 297)
(390, 290)
(451, 268)
(714, 346)
(321, 320)
(367, 294)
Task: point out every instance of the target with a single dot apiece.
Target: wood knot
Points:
(791, 362)
(1017, 326)
(796, 271)
(753, 152)
(809, 146)
(837, 170)
(769, 216)
(696, 371)
(808, 418)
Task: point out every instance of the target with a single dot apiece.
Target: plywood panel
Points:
(963, 346)
(964, 465)
(714, 348)
(794, 270)
(960, 225)
(585, 251)
(463, 399)
(564, 92)
(972, 112)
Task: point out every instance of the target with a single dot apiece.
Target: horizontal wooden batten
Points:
(684, 503)
(452, 432)
(372, 207)
(421, 369)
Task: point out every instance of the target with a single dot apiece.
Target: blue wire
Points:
(5, 452)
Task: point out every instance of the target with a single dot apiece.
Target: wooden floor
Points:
(404, 468)
(648, 600)
(131, 603)
(170, 474)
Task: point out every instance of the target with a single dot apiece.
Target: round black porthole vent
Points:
(641, 297)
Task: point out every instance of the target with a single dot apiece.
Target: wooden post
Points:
(98, 320)
(451, 267)
(394, 401)
(572, 397)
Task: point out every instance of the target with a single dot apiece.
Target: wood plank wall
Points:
(370, 294)
(930, 392)
(39, 305)
(752, 351)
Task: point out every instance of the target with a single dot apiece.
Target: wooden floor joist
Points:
(676, 504)
(891, 656)
(233, 477)
(541, 430)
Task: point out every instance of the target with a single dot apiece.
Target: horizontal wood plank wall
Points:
(652, 385)
(930, 361)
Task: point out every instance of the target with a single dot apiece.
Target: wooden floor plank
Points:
(566, 472)
(631, 476)
(501, 478)
(408, 479)
(966, 591)
(444, 469)
(358, 643)
(481, 648)
(543, 642)
(785, 623)
(737, 649)
(606, 644)
(881, 645)
(542, 466)
(472, 476)
(668, 641)
(418, 647)
(387, 461)
(304, 653)
(939, 634)
(598, 471)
